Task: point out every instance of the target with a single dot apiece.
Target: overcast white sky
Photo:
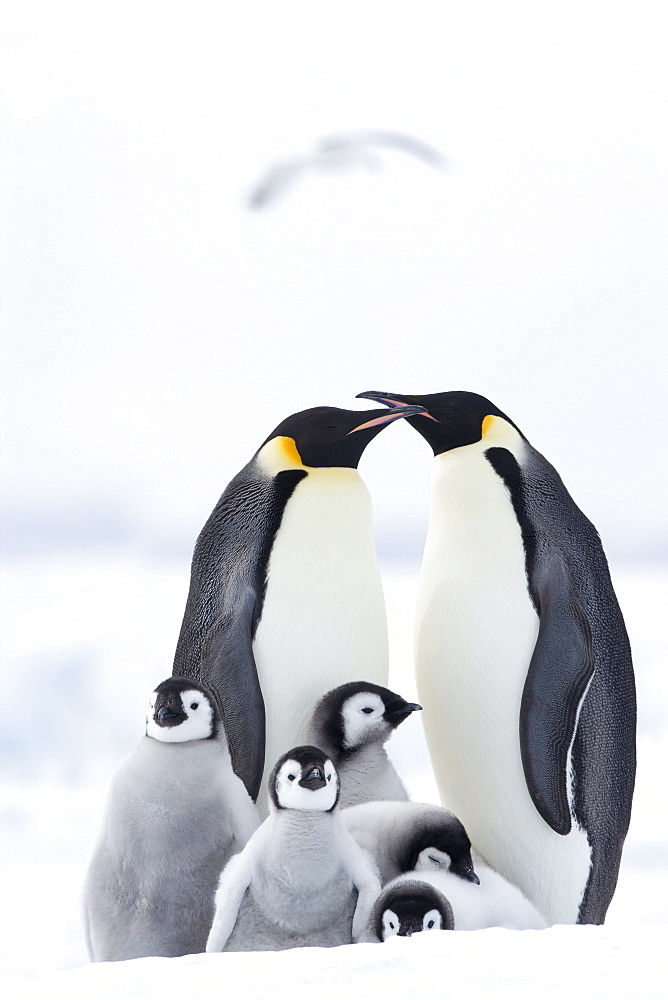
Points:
(155, 330)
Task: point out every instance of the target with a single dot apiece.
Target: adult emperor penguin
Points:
(523, 662)
(175, 813)
(285, 598)
(301, 880)
(352, 724)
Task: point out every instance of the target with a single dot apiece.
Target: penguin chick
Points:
(395, 834)
(175, 813)
(492, 903)
(301, 879)
(351, 723)
(406, 907)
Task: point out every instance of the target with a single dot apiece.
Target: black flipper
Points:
(561, 667)
(228, 665)
(227, 587)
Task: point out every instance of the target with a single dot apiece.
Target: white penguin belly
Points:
(323, 621)
(476, 629)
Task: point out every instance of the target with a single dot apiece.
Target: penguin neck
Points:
(307, 824)
(363, 760)
(171, 761)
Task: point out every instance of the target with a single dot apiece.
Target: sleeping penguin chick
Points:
(174, 815)
(492, 903)
(395, 834)
(406, 907)
(351, 723)
(301, 880)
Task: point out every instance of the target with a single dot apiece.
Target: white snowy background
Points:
(155, 330)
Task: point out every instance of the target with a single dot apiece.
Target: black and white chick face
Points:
(357, 714)
(409, 910)
(180, 710)
(305, 779)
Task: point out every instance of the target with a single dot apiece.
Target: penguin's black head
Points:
(449, 419)
(180, 709)
(439, 842)
(305, 779)
(359, 713)
(326, 436)
(407, 907)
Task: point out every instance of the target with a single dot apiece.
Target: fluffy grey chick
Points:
(352, 723)
(301, 879)
(397, 833)
(406, 907)
(494, 902)
(175, 813)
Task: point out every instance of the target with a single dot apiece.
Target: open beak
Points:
(387, 399)
(398, 410)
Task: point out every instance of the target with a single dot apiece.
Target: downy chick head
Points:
(305, 779)
(357, 714)
(410, 907)
(180, 710)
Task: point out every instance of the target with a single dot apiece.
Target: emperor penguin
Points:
(493, 902)
(352, 724)
(432, 898)
(286, 600)
(406, 907)
(301, 881)
(523, 662)
(397, 833)
(175, 814)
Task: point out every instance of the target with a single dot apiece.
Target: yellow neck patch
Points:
(498, 432)
(488, 424)
(280, 454)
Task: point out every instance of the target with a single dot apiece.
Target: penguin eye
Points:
(194, 704)
(391, 925)
(291, 777)
(329, 777)
(367, 711)
(430, 925)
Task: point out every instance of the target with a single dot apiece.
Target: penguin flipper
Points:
(228, 668)
(561, 668)
(235, 879)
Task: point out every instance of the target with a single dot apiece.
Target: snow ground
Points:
(86, 639)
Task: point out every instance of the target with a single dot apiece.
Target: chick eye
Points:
(329, 777)
(391, 925)
(291, 777)
(367, 711)
(194, 704)
(430, 925)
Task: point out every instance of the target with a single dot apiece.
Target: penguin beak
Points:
(313, 779)
(408, 927)
(466, 872)
(166, 715)
(394, 402)
(398, 411)
(397, 712)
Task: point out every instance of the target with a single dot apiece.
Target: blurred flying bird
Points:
(337, 152)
